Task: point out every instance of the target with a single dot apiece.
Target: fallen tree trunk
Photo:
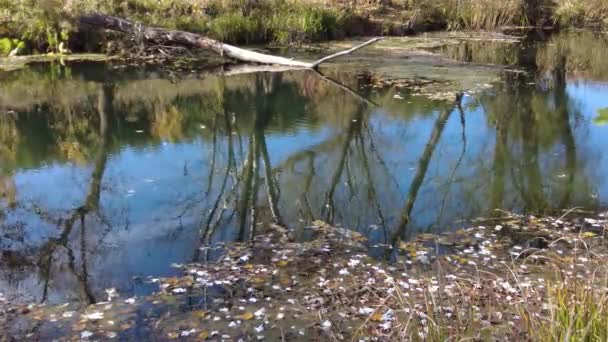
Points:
(164, 36)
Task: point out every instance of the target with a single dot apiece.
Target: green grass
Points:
(45, 24)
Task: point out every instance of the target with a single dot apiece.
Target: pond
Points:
(109, 175)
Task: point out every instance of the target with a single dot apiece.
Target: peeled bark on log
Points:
(164, 36)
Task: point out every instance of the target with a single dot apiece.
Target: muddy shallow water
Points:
(109, 175)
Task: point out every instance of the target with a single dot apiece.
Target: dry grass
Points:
(581, 12)
(477, 15)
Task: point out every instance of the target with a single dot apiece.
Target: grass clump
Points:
(476, 15)
(581, 12)
(47, 24)
(237, 28)
(470, 14)
(277, 21)
(576, 312)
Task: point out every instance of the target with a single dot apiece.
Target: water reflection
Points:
(110, 176)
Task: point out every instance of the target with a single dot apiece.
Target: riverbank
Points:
(507, 278)
(29, 26)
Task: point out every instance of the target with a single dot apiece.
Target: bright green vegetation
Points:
(7, 45)
(46, 24)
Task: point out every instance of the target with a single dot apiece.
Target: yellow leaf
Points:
(248, 266)
(282, 263)
(245, 317)
(200, 313)
(203, 335)
(376, 317)
(257, 280)
(589, 234)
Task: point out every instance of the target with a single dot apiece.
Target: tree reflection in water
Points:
(140, 171)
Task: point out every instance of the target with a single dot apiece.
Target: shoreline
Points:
(504, 280)
(277, 22)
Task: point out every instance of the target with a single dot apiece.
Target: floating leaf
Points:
(203, 335)
(602, 117)
(257, 280)
(200, 313)
(245, 317)
(404, 246)
(282, 263)
(589, 234)
(427, 237)
(376, 317)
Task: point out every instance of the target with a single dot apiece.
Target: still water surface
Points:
(108, 176)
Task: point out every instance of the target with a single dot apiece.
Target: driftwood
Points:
(164, 36)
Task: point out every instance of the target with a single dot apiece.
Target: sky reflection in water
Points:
(108, 177)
